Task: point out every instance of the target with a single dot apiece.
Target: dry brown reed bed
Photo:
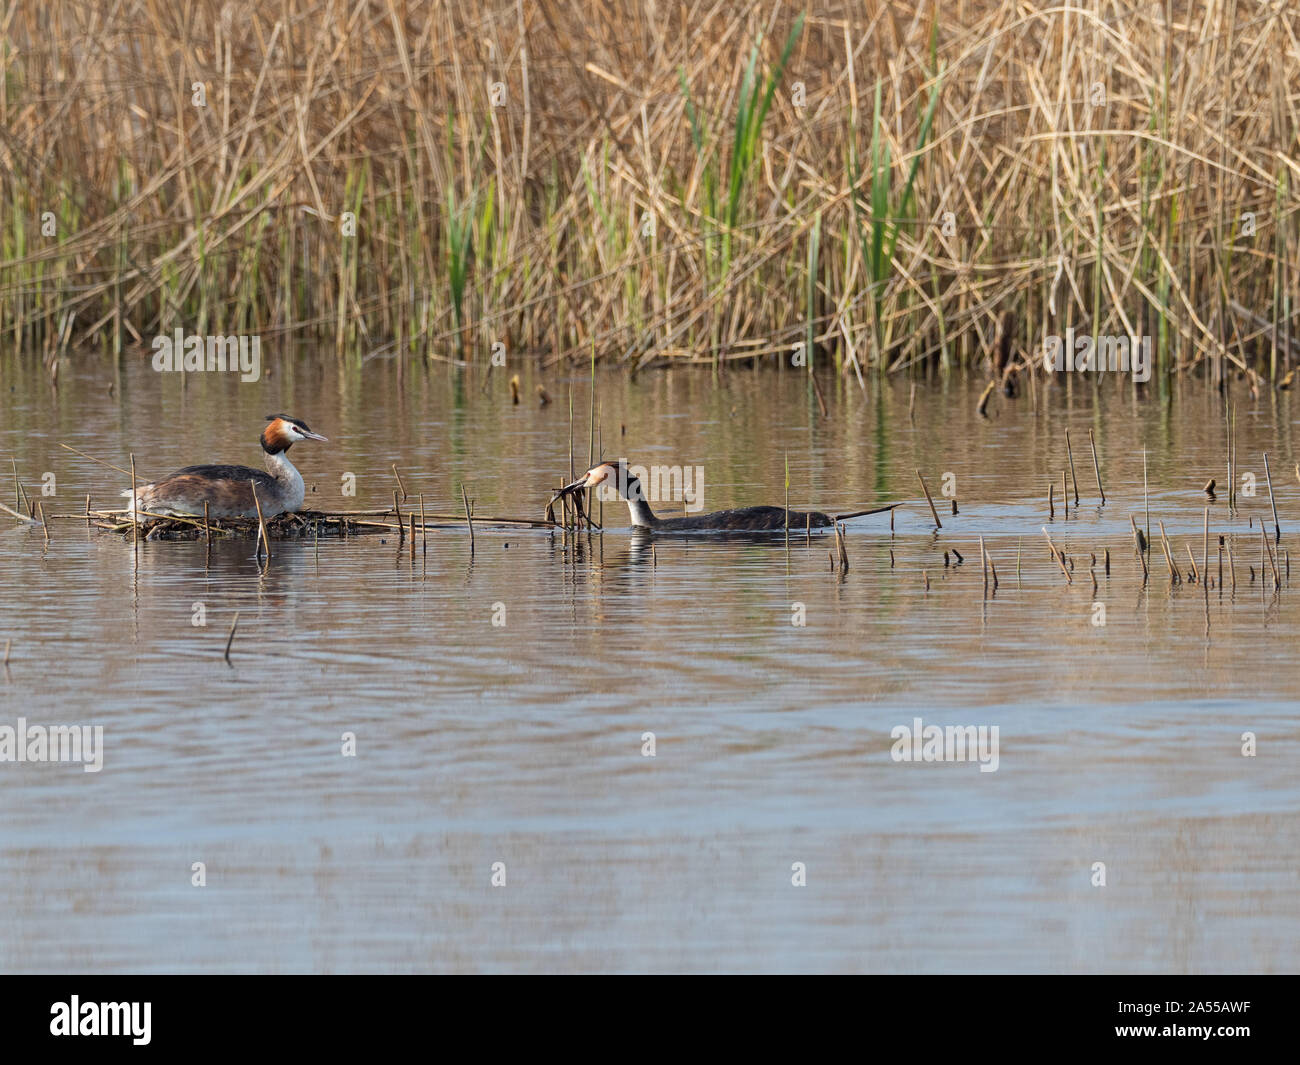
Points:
(428, 179)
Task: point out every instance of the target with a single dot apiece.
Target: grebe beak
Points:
(314, 436)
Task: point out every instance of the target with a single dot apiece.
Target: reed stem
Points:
(1096, 467)
(1069, 451)
(261, 524)
(230, 638)
(926, 489)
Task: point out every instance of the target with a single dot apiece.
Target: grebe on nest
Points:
(226, 489)
(745, 519)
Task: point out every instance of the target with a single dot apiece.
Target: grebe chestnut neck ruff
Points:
(745, 519)
(227, 489)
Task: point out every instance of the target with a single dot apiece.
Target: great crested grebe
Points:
(745, 519)
(226, 489)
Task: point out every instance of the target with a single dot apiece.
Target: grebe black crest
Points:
(227, 489)
(745, 519)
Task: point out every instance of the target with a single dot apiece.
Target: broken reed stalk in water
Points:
(929, 499)
(857, 514)
(261, 523)
(1234, 459)
(1057, 555)
(92, 458)
(1065, 495)
(1069, 451)
(1096, 467)
(1137, 545)
(1146, 498)
(1205, 545)
(1232, 565)
(231, 637)
(401, 486)
(401, 529)
(1230, 419)
(786, 515)
(45, 527)
(984, 566)
(1196, 573)
(135, 507)
(1051, 501)
(1277, 529)
(207, 527)
(424, 529)
(1169, 558)
(1272, 559)
(1227, 448)
(20, 517)
(469, 516)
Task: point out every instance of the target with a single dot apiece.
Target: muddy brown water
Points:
(521, 742)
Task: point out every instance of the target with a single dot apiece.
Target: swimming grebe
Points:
(226, 489)
(745, 519)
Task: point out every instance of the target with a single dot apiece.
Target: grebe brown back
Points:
(745, 519)
(227, 489)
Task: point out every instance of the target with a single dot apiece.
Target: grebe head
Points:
(627, 484)
(283, 432)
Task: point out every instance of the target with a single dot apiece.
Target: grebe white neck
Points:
(292, 489)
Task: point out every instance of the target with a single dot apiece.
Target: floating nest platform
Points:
(302, 525)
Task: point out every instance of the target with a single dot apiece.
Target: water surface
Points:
(521, 743)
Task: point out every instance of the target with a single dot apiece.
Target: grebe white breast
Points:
(227, 489)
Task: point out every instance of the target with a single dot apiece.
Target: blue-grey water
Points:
(499, 698)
